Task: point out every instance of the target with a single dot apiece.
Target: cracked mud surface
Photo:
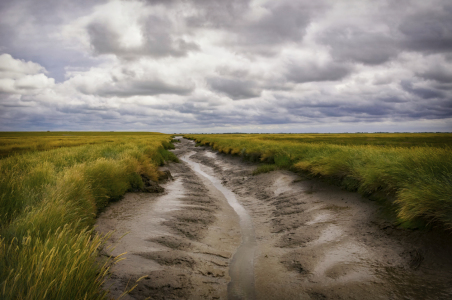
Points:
(313, 241)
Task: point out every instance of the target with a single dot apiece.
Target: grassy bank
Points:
(415, 169)
(48, 203)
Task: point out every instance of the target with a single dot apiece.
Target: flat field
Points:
(413, 169)
(52, 186)
(20, 142)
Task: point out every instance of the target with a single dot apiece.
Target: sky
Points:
(218, 66)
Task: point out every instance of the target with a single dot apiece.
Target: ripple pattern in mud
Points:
(241, 268)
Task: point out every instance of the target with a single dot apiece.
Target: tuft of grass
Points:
(265, 168)
(167, 156)
(58, 265)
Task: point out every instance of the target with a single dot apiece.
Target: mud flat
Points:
(302, 239)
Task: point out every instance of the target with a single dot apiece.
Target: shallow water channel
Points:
(241, 268)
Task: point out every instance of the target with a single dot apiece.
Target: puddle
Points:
(241, 267)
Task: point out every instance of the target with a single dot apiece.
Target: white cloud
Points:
(21, 77)
(16, 68)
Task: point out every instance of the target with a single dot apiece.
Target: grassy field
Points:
(52, 186)
(439, 140)
(413, 169)
(12, 143)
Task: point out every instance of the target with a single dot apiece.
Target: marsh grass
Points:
(59, 265)
(12, 143)
(48, 203)
(265, 168)
(419, 178)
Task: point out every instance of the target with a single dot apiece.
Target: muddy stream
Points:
(241, 268)
(218, 232)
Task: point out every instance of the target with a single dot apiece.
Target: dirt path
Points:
(305, 239)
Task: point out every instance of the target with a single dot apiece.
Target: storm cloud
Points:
(152, 38)
(235, 88)
(224, 66)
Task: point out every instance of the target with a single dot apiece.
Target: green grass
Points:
(265, 168)
(416, 173)
(59, 265)
(49, 200)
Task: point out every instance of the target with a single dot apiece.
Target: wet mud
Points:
(217, 232)
(241, 267)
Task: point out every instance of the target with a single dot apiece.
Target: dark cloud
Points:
(373, 109)
(393, 99)
(37, 23)
(425, 29)
(357, 45)
(236, 88)
(365, 110)
(217, 14)
(446, 86)
(157, 40)
(428, 30)
(424, 93)
(433, 110)
(310, 72)
(138, 88)
(437, 73)
(283, 22)
(280, 22)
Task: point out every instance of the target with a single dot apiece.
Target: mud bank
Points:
(312, 240)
